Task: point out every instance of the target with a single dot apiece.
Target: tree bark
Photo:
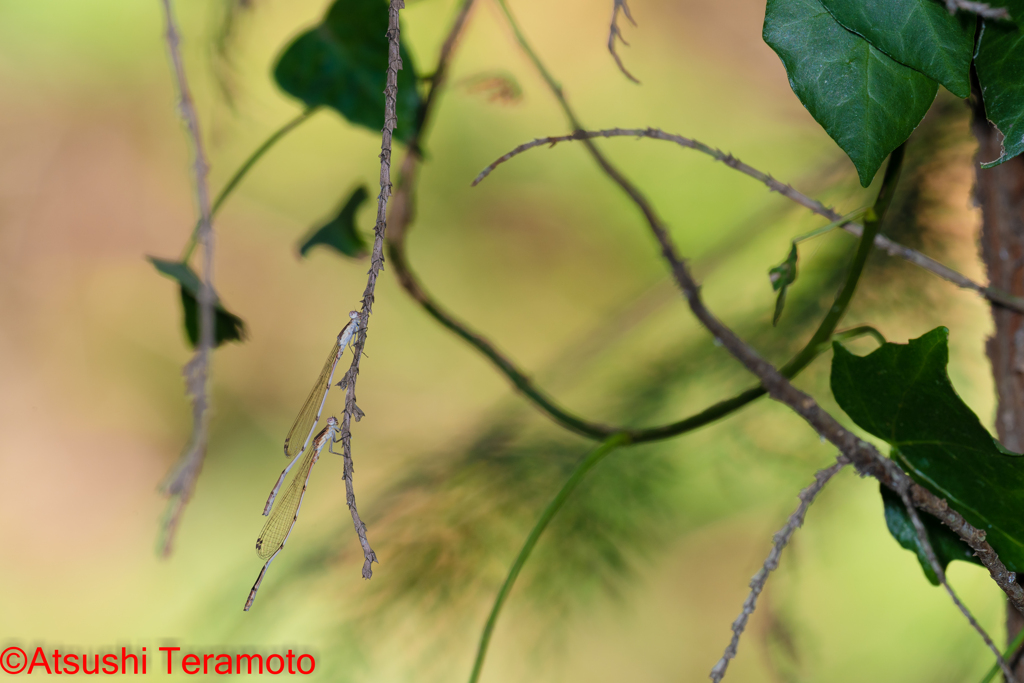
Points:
(999, 192)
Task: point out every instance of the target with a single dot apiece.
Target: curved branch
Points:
(994, 295)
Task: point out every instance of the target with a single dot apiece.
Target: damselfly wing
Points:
(305, 422)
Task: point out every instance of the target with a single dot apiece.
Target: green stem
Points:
(587, 464)
(994, 671)
(242, 171)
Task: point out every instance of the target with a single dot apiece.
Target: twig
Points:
(780, 540)
(588, 463)
(182, 484)
(982, 9)
(929, 552)
(995, 296)
(614, 32)
(376, 263)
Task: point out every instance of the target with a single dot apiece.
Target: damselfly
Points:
(309, 415)
(279, 527)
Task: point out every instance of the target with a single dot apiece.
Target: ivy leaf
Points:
(999, 63)
(341, 233)
(782, 276)
(902, 394)
(227, 325)
(921, 34)
(868, 103)
(342, 63)
(946, 544)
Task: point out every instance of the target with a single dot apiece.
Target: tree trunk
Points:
(999, 191)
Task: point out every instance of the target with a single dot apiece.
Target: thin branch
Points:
(780, 540)
(182, 484)
(995, 296)
(376, 264)
(615, 32)
(982, 9)
(588, 463)
(929, 552)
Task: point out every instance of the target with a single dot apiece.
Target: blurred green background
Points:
(644, 572)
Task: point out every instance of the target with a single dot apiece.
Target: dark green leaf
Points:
(946, 544)
(1000, 63)
(921, 34)
(228, 326)
(868, 103)
(342, 63)
(902, 394)
(782, 276)
(341, 232)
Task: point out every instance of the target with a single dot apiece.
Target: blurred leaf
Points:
(499, 86)
(902, 394)
(782, 276)
(921, 34)
(342, 63)
(946, 544)
(999, 63)
(868, 103)
(341, 232)
(228, 326)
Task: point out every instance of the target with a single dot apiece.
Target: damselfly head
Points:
(332, 422)
(354, 315)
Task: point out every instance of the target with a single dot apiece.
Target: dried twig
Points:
(982, 9)
(615, 32)
(929, 551)
(780, 539)
(376, 263)
(995, 296)
(181, 484)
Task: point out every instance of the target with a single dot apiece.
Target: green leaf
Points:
(342, 63)
(868, 103)
(946, 544)
(999, 63)
(902, 394)
(921, 34)
(228, 326)
(782, 276)
(341, 233)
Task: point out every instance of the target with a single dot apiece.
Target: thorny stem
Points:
(940, 573)
(181, 484)
(243, 170)
(779, 540)
(376, 264)
(587, 464)
(994, 295)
